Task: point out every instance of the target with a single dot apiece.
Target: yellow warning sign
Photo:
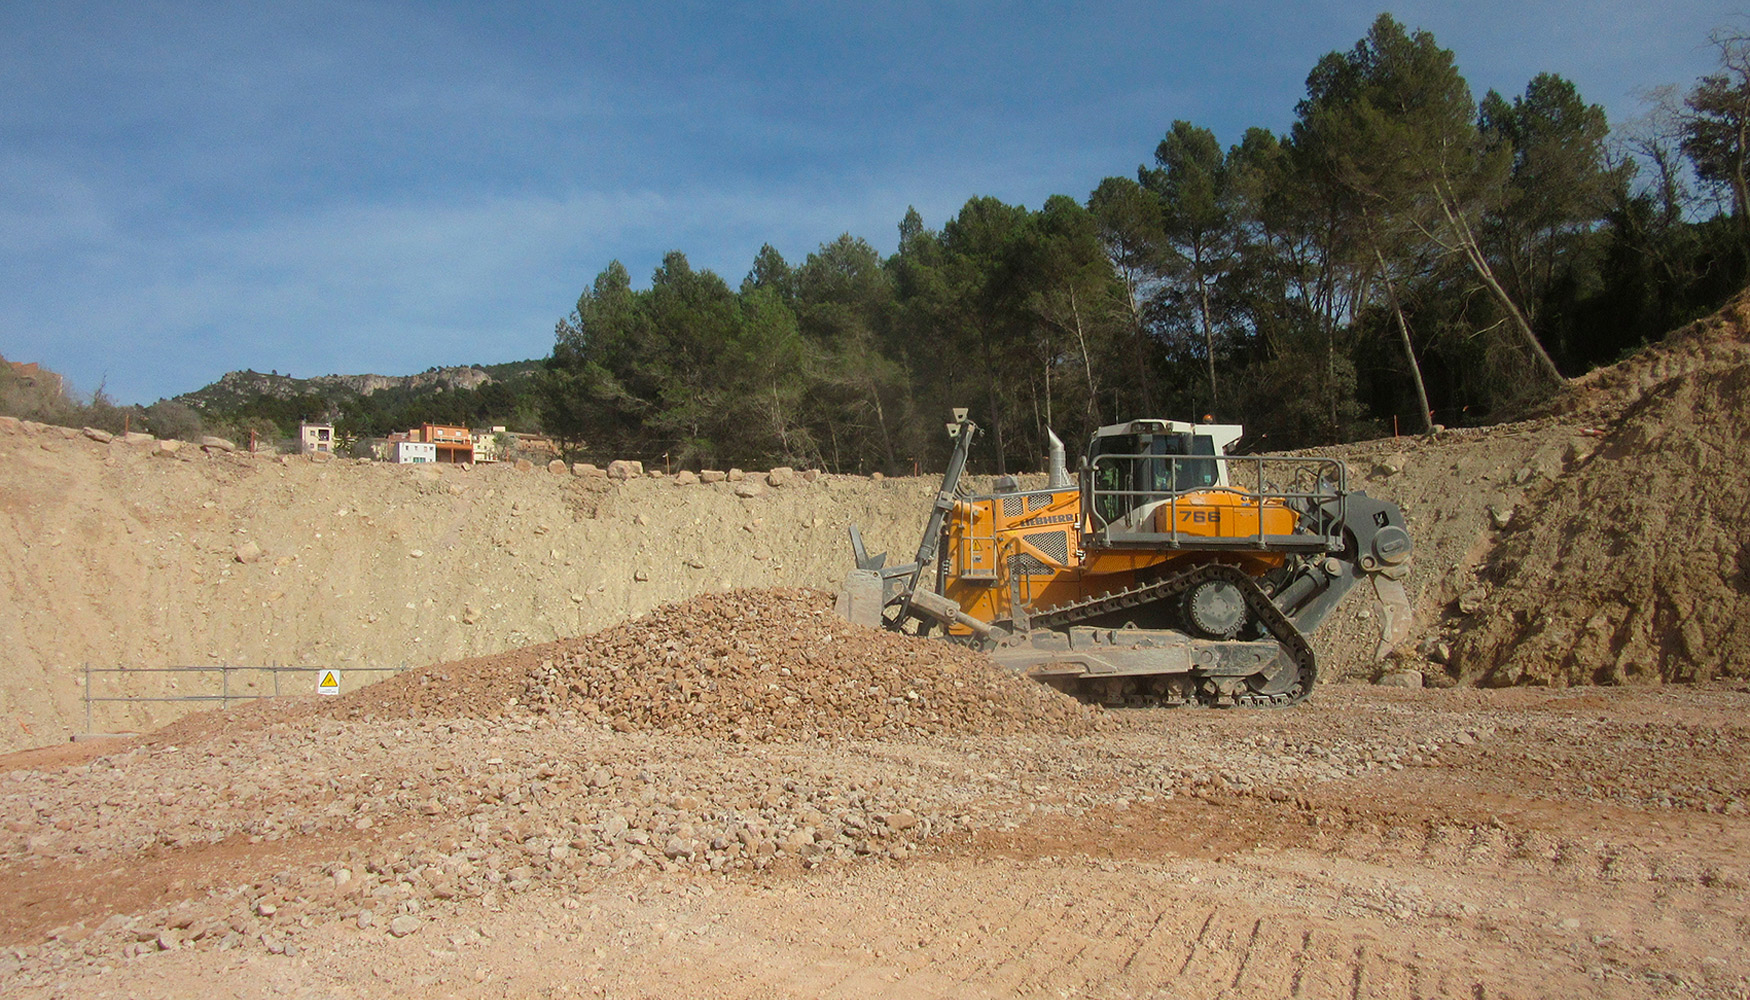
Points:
(328, 682)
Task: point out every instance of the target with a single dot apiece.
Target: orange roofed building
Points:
(454, 444)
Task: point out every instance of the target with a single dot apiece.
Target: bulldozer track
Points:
(1294, 644)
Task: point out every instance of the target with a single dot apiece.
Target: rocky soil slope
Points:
(1635, 566)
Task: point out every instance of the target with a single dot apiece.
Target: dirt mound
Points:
(1715, 342)
(1635, 567)
(757, 665)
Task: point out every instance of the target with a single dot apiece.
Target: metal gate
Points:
(227, 691)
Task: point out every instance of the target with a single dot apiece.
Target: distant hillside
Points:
(368, 405)
(507, 370)
(236, 387)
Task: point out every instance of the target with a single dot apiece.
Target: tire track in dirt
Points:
(1144, 937)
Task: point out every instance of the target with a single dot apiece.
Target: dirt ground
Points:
(1375, 843)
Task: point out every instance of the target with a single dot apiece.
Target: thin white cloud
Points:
(381, 287)
(43, 208)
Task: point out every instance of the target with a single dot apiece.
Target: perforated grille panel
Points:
(1012, 506)
(1053, 543)
(1038, 501)
(1025, 565)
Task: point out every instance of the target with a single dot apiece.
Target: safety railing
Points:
(1316, 499)
(228, 692)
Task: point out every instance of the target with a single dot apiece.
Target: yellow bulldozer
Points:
(1166, 571)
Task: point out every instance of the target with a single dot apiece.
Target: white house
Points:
(414, 452)
(315, 437)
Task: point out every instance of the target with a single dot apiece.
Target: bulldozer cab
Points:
(1149, 460)
(1167, 485)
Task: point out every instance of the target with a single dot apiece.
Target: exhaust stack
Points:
(1059, 470)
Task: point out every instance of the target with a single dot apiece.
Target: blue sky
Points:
(191, 188)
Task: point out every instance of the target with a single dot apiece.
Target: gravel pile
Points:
(747, 665)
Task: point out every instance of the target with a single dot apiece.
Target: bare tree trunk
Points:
(1741, 147)
(1480, 264)
(1734, 49)
(779, 424)
(1138, 340)
(1047, 367)
(1208, 335)
(881, 424)
(1391, 296)
(1740, 184)
(1326, 286)
(1087, 365)
(996, 415)
(996, 429)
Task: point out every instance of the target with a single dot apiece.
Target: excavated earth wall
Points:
(1634, 568)
(122, 555)
(118, 554)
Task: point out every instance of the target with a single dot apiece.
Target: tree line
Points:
(1403, 254)
(512, 400)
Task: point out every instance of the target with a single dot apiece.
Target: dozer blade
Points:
(1116, 665)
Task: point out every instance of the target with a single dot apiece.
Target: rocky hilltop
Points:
(236, 386)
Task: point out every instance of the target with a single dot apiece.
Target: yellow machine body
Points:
(1027, 547)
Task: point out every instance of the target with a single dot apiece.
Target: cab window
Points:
(1159, 469)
